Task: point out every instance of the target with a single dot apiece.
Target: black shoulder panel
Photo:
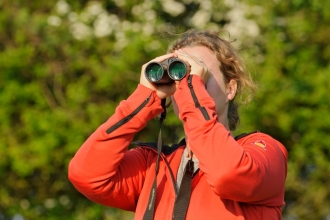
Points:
(165, 148)
(245, 134)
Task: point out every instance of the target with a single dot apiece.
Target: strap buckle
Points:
(190, 168)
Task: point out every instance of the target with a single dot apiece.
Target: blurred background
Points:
(65, 65)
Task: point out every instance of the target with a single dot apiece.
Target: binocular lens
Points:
(154, 72)
(166, 71)
(177, 70)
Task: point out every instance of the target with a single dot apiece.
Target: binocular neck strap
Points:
(183, 197)
(149, 213)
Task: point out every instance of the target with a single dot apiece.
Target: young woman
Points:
(226, 177)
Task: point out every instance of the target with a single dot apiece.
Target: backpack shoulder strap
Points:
(245, 134)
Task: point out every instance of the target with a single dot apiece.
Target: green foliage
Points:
(66, 65)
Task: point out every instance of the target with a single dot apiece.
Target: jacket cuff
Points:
(142, 94)
(198, 86)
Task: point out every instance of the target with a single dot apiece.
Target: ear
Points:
(231, 89)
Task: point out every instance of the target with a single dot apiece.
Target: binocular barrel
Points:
(167, 71)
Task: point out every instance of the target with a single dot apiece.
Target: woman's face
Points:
(218, 89)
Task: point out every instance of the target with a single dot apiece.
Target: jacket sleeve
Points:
(103, 169)
(251, 170)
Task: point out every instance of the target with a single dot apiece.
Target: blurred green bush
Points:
(64, 67)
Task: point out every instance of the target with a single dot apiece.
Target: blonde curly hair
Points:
(231, 65)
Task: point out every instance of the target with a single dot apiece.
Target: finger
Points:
(196, 59)
(197, 65)
(163, 57)
(195, 62)
(159, 59)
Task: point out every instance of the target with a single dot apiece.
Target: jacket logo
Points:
(260, 143)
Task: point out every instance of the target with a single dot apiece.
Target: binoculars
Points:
(166, 71)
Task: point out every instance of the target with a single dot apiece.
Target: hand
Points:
(162, 90)
(197, 65)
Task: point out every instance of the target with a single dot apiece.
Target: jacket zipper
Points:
(193, 94)
(128, 117)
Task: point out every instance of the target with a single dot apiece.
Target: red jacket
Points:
(237, 179)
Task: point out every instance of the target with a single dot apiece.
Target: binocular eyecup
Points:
(167, 71)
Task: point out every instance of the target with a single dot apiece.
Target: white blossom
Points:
(62, 7)
(173, 8)
(73, 17)
(136, 27)
(148, 29)
(206, 5)
(200, 18)
(80, 31)
(50, 203)
(64, 200)
(102, 25)
(126, 25)
(54, 20)
(137, 10)
(150, 15)
(239, 25)
(120, 3)
(25, 204)
(121, 41)
(94, 8)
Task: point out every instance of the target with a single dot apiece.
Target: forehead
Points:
(207, 55)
